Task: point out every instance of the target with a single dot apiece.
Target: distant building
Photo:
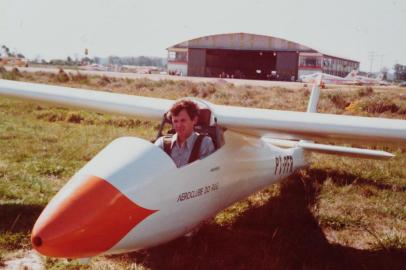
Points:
(13, 61)
(250, 56)
(400, 72)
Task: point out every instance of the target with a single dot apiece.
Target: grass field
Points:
(340, 213)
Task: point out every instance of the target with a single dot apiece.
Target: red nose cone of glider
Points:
(87, 222)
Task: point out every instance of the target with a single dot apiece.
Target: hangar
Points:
(251, 56)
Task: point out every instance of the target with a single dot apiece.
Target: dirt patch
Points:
(29, 260)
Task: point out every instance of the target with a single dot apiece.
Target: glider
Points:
(131, 195)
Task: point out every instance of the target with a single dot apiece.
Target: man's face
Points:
(183, 125)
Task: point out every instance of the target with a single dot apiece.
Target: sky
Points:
(354, 29)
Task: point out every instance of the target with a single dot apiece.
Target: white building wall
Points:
(177, 68)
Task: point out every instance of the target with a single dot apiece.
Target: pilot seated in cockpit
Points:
(186, 145)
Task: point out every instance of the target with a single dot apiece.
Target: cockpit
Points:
(206, 124)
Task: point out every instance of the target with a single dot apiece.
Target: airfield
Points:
(341, 213)
(159, 77)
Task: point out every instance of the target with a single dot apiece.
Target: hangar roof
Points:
(242, 41)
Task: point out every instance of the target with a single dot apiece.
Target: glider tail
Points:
(311, 146)
(351, 75)
(314, 99)
(314, 96)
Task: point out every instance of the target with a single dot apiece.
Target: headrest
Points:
(204, 117)
(167, 118)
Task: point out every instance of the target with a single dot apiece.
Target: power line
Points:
(371, 56)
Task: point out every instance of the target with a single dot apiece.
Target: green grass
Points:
(341, 213)
(39, 154)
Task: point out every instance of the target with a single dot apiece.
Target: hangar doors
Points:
(241, 64)
(244, 64)
(287, 66)
(196, 62)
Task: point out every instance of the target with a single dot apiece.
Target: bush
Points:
(16, 71)
(50, 116)
(375, 106)
(80, 78)
(12, 75)
(306, 92)
(338, 100)
(366, 91)
(355, 107)
(74, 118)
(2, 70)
(62, 77)
(103, 81)
(402, 111)
(202, 90)
(380, 106)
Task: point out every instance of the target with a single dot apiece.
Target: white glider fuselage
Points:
(131, 195)
(168, 201)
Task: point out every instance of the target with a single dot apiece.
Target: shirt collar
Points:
(188, 142)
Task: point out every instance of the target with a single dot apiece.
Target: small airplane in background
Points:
(327, 79)
(132, 196)
(351, 79)
(364, 80)
(95, 67)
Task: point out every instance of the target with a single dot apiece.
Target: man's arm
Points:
(207, 147)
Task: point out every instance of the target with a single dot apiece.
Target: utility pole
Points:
(371, 60)
(380, 68)
(371, 56)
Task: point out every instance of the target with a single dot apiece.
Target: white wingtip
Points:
(319, 79)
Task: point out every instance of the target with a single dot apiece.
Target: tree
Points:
(384, 72)
(6, 50)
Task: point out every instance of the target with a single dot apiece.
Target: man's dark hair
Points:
(185, 104)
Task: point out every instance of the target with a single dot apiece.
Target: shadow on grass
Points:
(16, 222)
(343, 178)
(282, 234)
(18, 217)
